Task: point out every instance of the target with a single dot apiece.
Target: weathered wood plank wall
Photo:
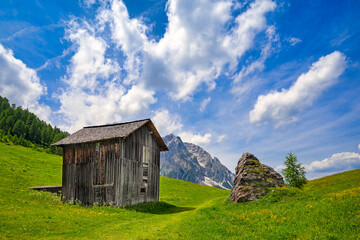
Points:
(116, 171)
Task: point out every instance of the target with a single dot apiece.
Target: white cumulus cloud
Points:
(258, 64)
(195, 47)
(88, 64)
(21, 84)
(283, 107)
(128, 35)
(165, 122)
(337, 162)
(196, 138)
(137, 99)
(95, 93)
(203, 40)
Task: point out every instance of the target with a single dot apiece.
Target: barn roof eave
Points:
(105, 139)
(123, 130)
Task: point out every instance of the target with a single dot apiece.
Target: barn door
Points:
(103, 174)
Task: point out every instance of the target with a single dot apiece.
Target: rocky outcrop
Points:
(253, 179)
(189, 162)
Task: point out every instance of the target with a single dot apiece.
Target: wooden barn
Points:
(116, 164)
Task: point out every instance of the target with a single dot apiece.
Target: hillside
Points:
(328, 208)
(189, 162)
(24, 128)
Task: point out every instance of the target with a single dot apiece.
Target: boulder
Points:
(253, 179)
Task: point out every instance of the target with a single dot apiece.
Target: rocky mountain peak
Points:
(203, 157)
(190, 162)
(172, 139)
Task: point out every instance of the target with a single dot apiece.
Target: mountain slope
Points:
(179, 163)
(189, 162)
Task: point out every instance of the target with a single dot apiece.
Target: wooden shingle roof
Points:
(111, 131)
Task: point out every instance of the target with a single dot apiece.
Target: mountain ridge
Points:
(190, 162)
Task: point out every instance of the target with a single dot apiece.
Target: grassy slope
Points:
(328, 208)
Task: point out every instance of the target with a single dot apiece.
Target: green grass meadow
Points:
(327, 208)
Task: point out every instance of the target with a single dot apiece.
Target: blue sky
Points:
(260, 76)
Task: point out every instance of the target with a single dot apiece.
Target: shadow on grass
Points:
(158, 208)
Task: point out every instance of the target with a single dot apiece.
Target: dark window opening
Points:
(142, 190)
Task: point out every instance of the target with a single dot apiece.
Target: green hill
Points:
(327, 208)
(21, 127)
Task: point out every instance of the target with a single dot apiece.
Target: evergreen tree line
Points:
(22, 127)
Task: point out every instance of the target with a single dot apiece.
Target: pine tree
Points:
(19, 128)
(58, 136)
(4, 104)
(43, 136)
(294, 173)
(37, 136)
(32, 131)
(19, 113)
(27, 129)
(30, 119)
(3, 124)
(9, 122)
(9, 133)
